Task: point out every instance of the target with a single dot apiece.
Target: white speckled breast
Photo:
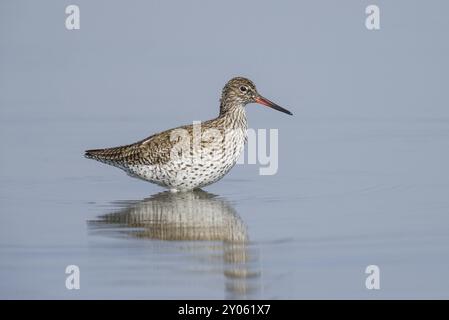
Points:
(210, 164)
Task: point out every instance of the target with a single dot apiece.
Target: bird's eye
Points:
(243, 89)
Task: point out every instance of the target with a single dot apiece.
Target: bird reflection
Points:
(190, 217)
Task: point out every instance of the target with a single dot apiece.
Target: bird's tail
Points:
(105, 155)
(117, 156)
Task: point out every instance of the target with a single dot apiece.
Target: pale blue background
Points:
(363, 169)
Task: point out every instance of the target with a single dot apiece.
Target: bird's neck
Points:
(233, 114)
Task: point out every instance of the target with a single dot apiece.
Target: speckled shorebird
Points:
(191, 156)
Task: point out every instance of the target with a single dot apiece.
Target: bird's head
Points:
(239, 92)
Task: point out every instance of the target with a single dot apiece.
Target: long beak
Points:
(268, 103)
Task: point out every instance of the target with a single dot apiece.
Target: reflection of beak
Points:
(268, 103)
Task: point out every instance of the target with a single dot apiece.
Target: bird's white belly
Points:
(195, 171)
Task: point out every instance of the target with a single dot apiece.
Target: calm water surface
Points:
(309, 231)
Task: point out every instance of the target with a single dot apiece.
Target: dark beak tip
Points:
(272, 105)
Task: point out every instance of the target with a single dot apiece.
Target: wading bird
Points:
(176, 159)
